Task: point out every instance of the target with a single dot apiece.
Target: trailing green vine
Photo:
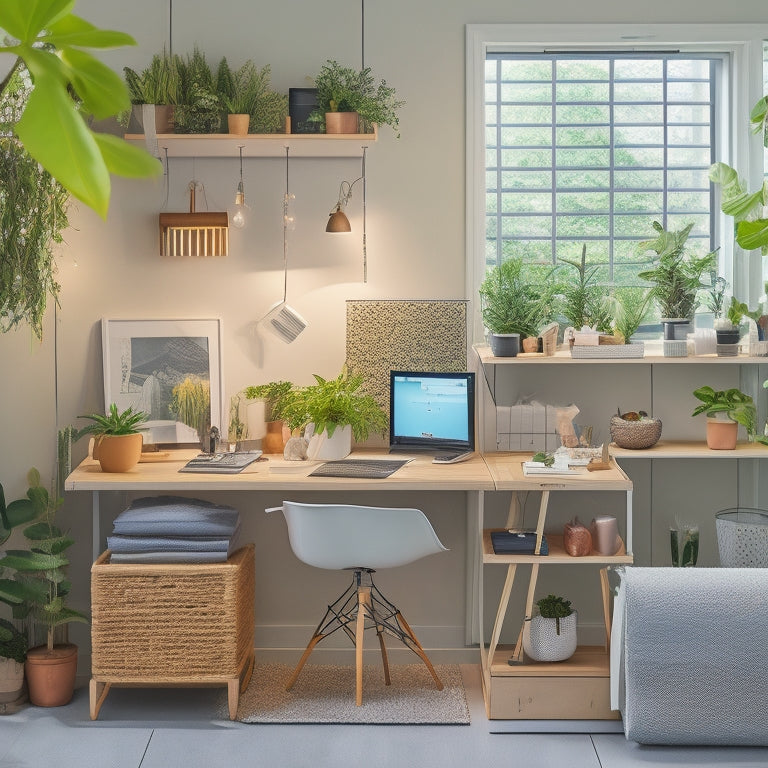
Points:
(33, 214)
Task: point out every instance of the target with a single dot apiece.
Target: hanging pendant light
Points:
(241, 212)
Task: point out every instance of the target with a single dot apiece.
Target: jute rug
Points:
(326, 694)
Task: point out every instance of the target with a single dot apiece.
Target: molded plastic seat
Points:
(364, 539)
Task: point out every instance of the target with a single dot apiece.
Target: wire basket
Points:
(742, 537)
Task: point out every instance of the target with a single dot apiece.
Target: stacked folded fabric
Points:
(174, 529)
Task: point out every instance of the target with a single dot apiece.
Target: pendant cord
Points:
(285, 230)
(170, 27)
(362, 34)
(365, 241)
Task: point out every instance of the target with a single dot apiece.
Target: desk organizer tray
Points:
(162, 624)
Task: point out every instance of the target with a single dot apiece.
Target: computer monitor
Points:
(431, 411)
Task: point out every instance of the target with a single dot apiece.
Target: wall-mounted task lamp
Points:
(337, 219)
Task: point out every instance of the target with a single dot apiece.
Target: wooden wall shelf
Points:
(260, 144)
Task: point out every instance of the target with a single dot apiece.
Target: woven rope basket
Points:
(635, 435)
(169, 622)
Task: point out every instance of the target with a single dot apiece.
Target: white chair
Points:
(361, 539)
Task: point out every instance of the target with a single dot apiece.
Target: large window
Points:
(591, 148)
(583, 135)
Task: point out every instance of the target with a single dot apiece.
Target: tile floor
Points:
(173, 728)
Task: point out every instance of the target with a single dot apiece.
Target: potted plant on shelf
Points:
(158, 86)
(725, 410)
(50, 669)
(512, 308)
(345, 94)
(676, 278)
(748, 210)
(551, 635)
(118, 440)
(275, 395)
(199, 109)
(245, 93)
(584, 301)
(337, 411)
(631, 307)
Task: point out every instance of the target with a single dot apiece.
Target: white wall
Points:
(415, 230)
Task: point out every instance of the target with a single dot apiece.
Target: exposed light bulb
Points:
(289, 218)
(240, 214)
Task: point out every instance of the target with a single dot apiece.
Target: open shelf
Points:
(260, 144)
(557, 554)
(691, 450)
(652, 356)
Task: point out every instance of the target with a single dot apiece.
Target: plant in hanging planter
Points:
(551, 636)
(725, 410)
(749, 211)
(33, 214)
(118, 440)
(676, 276)
(344, 89)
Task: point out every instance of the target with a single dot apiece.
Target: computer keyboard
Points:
(452, 458)
(371, 469)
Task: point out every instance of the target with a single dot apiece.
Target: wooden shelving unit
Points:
(579, 687)
(261, 145)
(670, 449)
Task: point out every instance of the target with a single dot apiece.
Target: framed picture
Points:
(170, 369)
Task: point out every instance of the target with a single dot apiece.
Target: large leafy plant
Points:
(676, 275)
(331, 403)
(70, 85)
(40, 586)
(114, 422)
(749, 210)
(275, 394)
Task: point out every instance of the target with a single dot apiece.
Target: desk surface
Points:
(162, 474)
(493, 471)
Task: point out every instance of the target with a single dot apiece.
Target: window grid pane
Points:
(592, 149)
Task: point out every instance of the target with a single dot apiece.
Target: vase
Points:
(51, 674)
(341, 122)
(721, 433)
(684, 546)
(117, 453)
(505, 344)
(542, 642)
(238, 124)
(277, 436)
(676, 328)
(161, 114)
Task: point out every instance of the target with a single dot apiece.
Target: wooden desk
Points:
(161, 475)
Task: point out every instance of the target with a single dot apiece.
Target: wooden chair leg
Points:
(363, 597)
(303, 660)
(233, 696)
(419, 651)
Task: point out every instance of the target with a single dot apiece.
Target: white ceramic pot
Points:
(542, 643)
(324, 448)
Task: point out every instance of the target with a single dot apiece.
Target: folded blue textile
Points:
(169, 557)
(176, 516)
(125, 544)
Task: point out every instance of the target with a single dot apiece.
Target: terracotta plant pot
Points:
(163, 115)
(721, 434)
(341, 122)
(277, 436)
(51, 674)
(238, 124)
(117, 453)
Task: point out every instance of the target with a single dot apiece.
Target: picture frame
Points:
(170, 369)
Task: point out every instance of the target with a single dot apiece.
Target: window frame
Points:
(741, 88)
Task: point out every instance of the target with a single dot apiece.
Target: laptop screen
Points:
(431, 411)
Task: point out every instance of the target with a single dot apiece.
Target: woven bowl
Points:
(635, 435)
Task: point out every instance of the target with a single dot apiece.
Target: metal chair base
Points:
(362, 606)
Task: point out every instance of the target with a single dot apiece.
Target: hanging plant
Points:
(32, 217)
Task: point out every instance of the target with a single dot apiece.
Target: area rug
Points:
(326, 694)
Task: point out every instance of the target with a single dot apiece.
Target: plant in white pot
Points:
(338, 412)
(551, 635)
(13, 654)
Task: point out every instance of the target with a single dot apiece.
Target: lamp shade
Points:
(338, 222)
